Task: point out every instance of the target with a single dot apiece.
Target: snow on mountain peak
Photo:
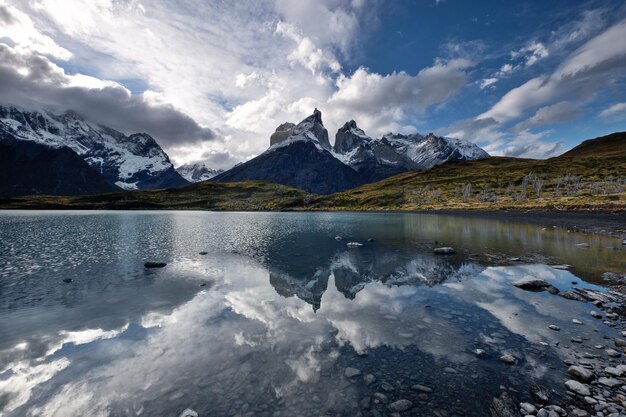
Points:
(310, 129)
(197, 171)
(134, 161)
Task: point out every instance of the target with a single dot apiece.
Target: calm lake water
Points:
(268, 321)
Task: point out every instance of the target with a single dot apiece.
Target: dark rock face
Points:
(349, 137)
(374, 160)
(301, 165)
(312, 127)
(302, 160)
(28, 168)
(282, 133)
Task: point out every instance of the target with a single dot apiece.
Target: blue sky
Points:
(211, 80)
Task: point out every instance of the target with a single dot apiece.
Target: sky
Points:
(211, 80)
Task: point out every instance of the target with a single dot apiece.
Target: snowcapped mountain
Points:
(310, 129)
(299, 156)
(129, 162)
(430, 150)
(400, 152)
(198, 171)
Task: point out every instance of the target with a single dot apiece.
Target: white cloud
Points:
(531, 53)
(487, 82)
(561, 112)
(20, 29)
(616, 111)
(591, 67)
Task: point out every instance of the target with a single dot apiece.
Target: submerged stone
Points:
(155, 264)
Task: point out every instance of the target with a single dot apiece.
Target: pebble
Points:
(576, 321)
(400, 405)
(351, 372)
(445, 250)
(554, 327)
(422, 388)
(528, 408)
(609, 382)
(67, 280)
(154, 264)
(354, 244)
(369, 379)
(578, 388)
(188, 412)
(613, 353)
(379, 398)
(508, 359)
(580, 373)
(576, 339)
(595, 314)
(620, 342)
(480, 352)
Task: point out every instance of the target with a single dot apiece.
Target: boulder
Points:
(445, 250)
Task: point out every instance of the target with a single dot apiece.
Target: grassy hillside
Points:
(250, 195)
(592, 175)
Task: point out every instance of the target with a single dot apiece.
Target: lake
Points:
(280, 318)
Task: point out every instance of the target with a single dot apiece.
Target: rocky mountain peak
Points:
(310, 129)
(281, 133)
(349, 137)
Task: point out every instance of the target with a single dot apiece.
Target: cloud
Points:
(616, 111)
(487, 82)
(306, 52)
(34, 81)
(531, 53)
(561, 112)
(20, 29)
(384, 101)
(594, 65)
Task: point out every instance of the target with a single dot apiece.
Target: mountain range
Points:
(197, 171)
(301, 156)
(128, 162)
(62, 153)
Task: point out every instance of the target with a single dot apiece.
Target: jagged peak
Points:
(310, 129)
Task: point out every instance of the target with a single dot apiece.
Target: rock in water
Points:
(503, 406)
(155, 264)
(351, 372)
(400, 405)
(445, 250)
(354, 244)
(67, 280)
(531, 283)
(188, 412)
(508, 359)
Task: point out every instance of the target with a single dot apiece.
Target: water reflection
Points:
(285, 309)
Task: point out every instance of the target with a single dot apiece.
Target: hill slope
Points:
(28, 168)
(592, 174)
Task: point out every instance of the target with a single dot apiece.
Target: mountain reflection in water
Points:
(284, 310)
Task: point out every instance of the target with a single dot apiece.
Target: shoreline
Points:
(600, 221)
